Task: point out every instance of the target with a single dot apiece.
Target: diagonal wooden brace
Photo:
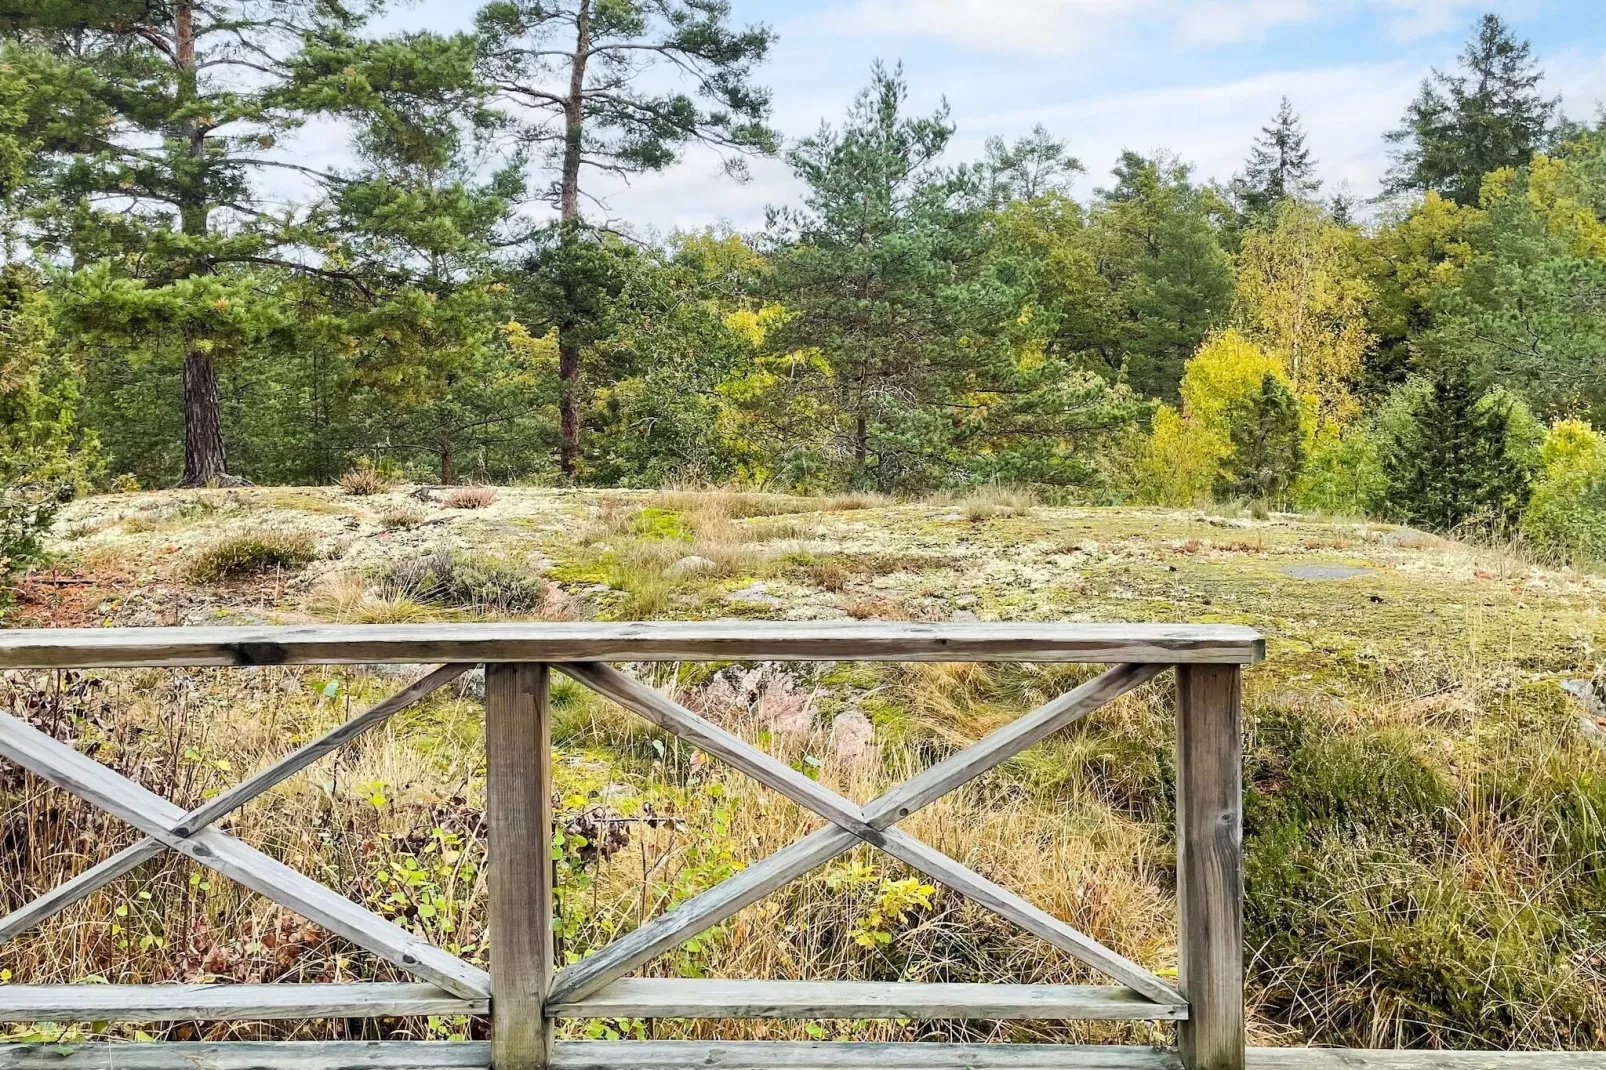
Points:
(871, 825)
(60, 898)
(156, 817)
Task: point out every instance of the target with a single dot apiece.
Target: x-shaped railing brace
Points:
(167, 826)
(851, 825)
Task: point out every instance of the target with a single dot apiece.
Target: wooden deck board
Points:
(739, 1055)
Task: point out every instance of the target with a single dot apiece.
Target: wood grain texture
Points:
(1210, 867)
(664, 932)
(53, 648)
(155, 816)
(87, 882)
(164, 1003)
(337, 737)
(653, 997)
(60, 898)
(518, 786)
(739, 1055)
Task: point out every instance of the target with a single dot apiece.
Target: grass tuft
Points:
(252, 554)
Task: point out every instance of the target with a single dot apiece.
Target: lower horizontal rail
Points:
(652, 997)
(740, 1055)
(225, 1003)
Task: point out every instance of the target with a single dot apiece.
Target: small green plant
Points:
(252, 553)
(401, 517)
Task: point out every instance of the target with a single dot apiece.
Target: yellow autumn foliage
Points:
(1300, 296)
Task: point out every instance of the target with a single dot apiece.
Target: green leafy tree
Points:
(589, 79)
(171, 110)
(1461, 126)
(1267, 444)
(43, 457)
(1279, 166)
(1157, 237)
(1525, 310)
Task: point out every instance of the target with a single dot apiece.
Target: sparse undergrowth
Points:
(1426, 819)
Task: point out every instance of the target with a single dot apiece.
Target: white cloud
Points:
(1063, 27)
(1345, 110)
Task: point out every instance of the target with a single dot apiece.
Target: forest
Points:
(457, 306)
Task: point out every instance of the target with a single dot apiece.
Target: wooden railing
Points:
(522, 993)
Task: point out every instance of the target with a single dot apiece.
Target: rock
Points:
(963, 616)
(1326, 572)
(472, 683)
(754, 593)
(687, 566)
(852, 735)
(1592, 719)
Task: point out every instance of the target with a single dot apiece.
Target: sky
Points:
(1198, 77)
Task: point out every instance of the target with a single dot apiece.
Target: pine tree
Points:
(1279, 165)
(1462, 126)
(589, 75)
(1156, 237)
(148, 174)
(876, 270)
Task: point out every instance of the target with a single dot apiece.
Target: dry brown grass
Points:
(470, 498)
(363, 479)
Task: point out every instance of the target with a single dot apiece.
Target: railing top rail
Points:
(720, 640)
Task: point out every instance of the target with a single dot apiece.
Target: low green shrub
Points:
(448, 577)
(252, 553)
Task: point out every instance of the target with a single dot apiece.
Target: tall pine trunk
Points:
(569, 205)
(205, 462)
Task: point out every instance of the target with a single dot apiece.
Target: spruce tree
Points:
(1279, 165)
(1268, 445)
(1461, 126)
(1452, 463)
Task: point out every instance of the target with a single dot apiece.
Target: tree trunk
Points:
(569, 206)
(448, 466)
(568, 400)
(205, 463)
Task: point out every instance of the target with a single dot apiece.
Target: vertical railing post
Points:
(518, 786)
(1210, 866)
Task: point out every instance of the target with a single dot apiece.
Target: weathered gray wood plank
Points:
(155, 816)
(1041, 924)
(337, 737)
(85, 883)
(162, 1003)
(52, 648)
(652, 997)
(60, 898)
(725, 899)
(1210, 943)
(518, 784)
(739, 1055)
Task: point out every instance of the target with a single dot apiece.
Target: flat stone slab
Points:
(1326, 572)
